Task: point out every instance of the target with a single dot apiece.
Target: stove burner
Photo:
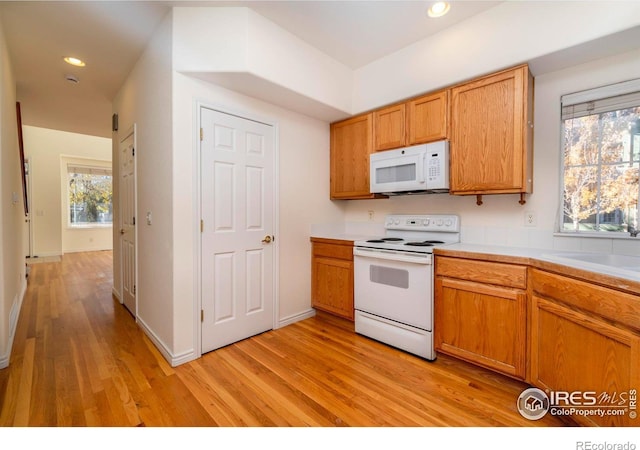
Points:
(419, 244)
(424, 243)
(376, 241)
(392, 239)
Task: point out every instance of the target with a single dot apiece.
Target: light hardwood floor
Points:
(79, 359)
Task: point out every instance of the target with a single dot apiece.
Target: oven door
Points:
(394, 285)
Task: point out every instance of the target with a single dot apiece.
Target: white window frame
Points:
(611, 97)
(82, 167)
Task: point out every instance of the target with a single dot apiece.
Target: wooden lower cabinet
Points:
(564, 334)
(332, 277)
(579, 345)
(482, 323)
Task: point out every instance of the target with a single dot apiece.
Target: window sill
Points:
(90, 227)
(597, 235)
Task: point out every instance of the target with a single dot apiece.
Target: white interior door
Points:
(128, 220)
(237, 196)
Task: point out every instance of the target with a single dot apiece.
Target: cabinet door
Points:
(427, 118)
(481, 323)
(389, 128)
(332, 286)
(573, 352)
(489, 145)
(350, 150)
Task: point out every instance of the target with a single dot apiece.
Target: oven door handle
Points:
(392, 256)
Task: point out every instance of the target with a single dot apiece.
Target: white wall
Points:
(241, 50)
(508, 34)
(12, 265)
(145, 99)
(500, 220)
(46, 149)
(304, 195)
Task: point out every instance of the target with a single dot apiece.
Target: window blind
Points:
(600, 100)
(88, 170)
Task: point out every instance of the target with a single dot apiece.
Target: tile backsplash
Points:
(522, 237)
(546, 239)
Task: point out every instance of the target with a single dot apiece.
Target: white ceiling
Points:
(111, 35)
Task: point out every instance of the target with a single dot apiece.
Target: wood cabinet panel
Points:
(332, 278)
(427, 118)
(574, 352)
(489, 135)
(481, 323)
(389, 127)
(482, 271)
(333, 251)
(351, 145)
(613, 305)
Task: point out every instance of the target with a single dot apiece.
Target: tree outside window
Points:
(90, 196)
(601, 156)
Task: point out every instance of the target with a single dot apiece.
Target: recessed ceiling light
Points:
(74, 61)
(438, 9)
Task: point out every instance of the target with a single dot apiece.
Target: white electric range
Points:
(393, 280)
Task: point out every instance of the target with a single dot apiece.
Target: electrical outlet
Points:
(530, 219)
(372, 214)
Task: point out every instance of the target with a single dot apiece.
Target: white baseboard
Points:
(174, 360)
(116, 294)
(14, 314)
(296, 318)
(87, 249)
(45, 254)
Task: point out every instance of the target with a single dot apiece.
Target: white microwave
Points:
(420, 169)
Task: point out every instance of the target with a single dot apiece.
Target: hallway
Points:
(73, 356)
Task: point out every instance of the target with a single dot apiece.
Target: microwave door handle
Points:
(422, 176)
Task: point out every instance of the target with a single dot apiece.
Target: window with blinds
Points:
(600, 159)
(90, 196)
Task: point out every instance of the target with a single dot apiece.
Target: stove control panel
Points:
(432, 222)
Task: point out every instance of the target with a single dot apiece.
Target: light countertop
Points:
(616, 270)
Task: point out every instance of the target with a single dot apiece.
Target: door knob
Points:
(267, 239)
(121, 230)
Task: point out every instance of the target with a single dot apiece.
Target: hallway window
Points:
(90, 196)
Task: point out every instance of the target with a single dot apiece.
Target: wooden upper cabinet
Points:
(427, 118)
(491, 140)
(417, 121)
(389, 127)
(351, 145)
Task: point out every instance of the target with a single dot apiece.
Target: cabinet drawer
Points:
(608, 303)
(482, 271)
(333, 251)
